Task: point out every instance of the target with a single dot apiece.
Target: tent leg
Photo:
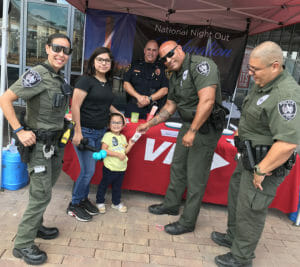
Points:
(232, 103)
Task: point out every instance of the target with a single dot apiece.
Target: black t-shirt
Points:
(94, 111)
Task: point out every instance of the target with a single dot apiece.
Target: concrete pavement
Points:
(137, 238)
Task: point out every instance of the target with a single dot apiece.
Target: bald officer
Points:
(270, 121)
(194, 88)
(146, 82)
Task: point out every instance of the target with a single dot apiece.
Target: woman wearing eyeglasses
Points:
(91, 105)
(39, 136)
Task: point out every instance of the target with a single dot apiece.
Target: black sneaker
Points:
(89, 207)
(31, 255)
(77, 211)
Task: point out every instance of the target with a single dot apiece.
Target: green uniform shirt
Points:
(116, 143)
(39, 87)
(271, 112)
(182, 91)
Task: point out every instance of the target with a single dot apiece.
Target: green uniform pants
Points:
(43, 175)
(190, 169)
(247, 211)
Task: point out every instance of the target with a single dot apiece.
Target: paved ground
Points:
(136, 238)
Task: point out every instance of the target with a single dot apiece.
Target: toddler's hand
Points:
(122, 156)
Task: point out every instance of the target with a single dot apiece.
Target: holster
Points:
(258, 154)
(218, 117)
(24, 151)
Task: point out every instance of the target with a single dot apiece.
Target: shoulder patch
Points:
(31, 78)
(287, 109)
(184, 75)
(203, 68)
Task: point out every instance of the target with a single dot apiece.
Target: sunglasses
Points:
(58, 48)
(168, 55)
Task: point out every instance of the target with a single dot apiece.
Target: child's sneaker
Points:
(101, 207)
(121, 207)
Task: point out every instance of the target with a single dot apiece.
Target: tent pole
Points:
(3, 73)
(231, 107)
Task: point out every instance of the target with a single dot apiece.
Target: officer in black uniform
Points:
(145, 82)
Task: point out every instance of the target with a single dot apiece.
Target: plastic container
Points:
(293, 215)
(14, 171)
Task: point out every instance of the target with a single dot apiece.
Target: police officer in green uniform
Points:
(47, 97)
(270, 124)
(146, 83)
(194, 89)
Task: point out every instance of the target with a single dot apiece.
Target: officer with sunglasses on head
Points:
(145, 82)
(194, 89)
(47, 98)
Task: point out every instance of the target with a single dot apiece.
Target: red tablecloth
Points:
(149, 168)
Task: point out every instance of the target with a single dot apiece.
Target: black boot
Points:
(31, 255)
(176, 228)
(47, 232)
(227, 260)
(159, 209)
(220, 239)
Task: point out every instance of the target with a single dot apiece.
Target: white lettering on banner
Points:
(169, 157)
(151, 155)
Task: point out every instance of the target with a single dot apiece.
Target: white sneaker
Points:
(121, 207)
(101, 207)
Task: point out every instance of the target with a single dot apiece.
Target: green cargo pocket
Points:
(259, 200)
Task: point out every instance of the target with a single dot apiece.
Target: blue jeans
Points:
(115, 179)
(87, 164)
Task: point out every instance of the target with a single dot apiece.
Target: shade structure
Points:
(231, 14)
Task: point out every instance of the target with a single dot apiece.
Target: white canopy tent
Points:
(231, 14)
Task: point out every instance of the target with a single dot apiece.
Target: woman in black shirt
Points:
(91, 106)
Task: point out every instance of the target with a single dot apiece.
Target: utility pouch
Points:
(66, 89)
(217, 118)
(291, 161)
(58, 100)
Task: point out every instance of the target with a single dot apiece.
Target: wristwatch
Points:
(258, 172)
(150, 98)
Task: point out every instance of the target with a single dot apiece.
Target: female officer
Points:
(41, 87)
(91, 104)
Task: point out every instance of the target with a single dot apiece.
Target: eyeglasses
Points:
(116, 122)
(253, 69)
(168, 55)
(103, 60)
(57, 49)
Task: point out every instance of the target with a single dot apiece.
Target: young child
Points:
(115, 163)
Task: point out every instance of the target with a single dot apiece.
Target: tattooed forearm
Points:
(163, 115)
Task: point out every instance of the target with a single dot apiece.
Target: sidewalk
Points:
(137, 238)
